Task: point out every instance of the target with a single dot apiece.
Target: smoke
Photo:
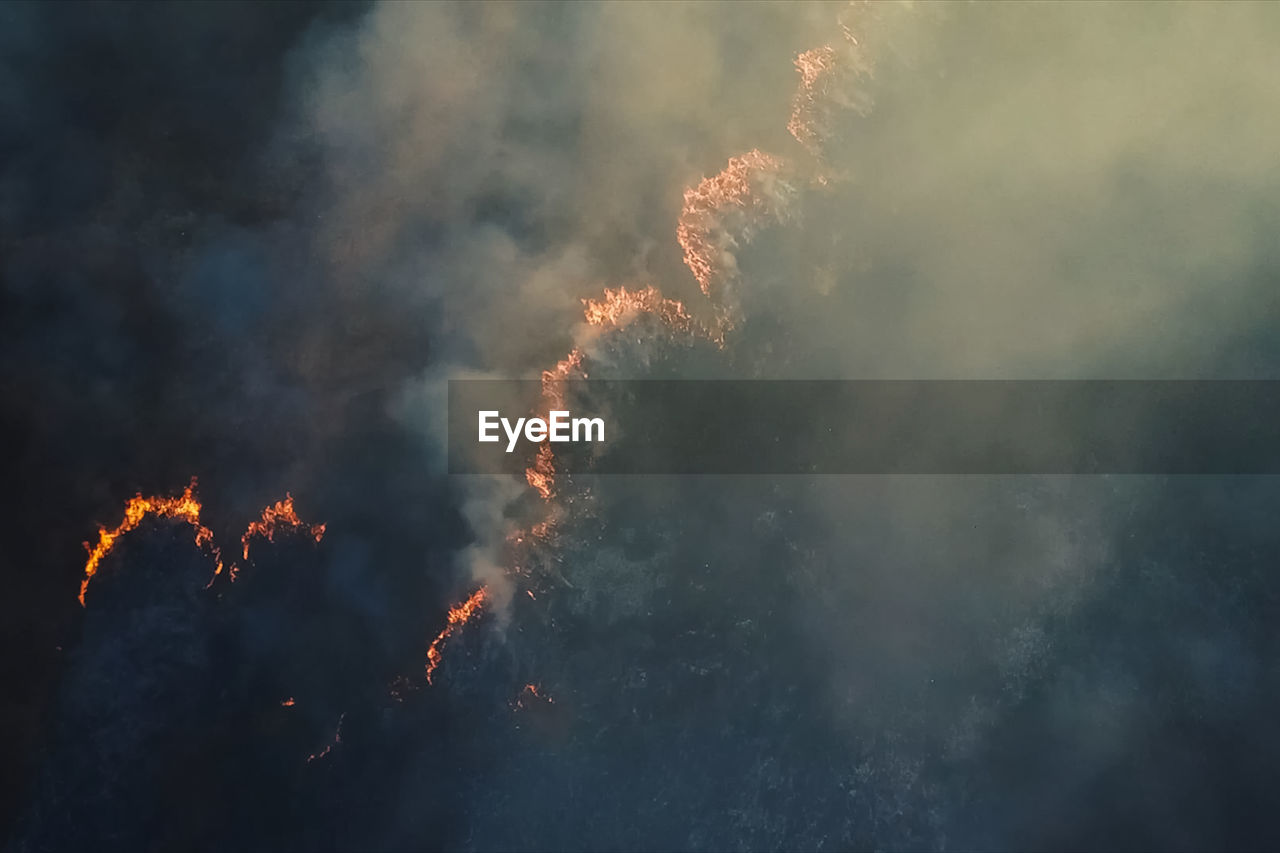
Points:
(263, 270)
(510, 159)
(494, 165)
(1061, 194)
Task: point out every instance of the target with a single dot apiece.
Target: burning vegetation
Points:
(184, 506)
(187, 507)
(458, 615)
(278, 515)
(720, 214)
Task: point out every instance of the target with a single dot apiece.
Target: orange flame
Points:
(718, 214)
(702, 231)
(185, 507)
(531, 691)
(287, 703)
(815, 67)
(458, 616)
(553, 379)
(828, 81)
(541, 476)
(279, 513)
(615, 309)
(620, 306)
(540, 531)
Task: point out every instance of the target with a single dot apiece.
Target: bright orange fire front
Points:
(281, 513)
(187, 508)
(184, 506)
(619, 306)
(458, 616)
(815, 67)
(541, 476)
(699, 228)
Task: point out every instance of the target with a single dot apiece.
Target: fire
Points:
(184, 506)
(531, 691)
(279, 513)
(187, 507)
(541, 476)
(721, 210)
(829, 81)
(287, 703)
(539, 531)
(553, 379)
(725, 210)
(816, 67)
(620, 306)
(615, 309)
(813, 65)
(337, 740)
(458, 616)
(719, 214)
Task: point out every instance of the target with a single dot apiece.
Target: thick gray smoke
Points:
(1036, 192)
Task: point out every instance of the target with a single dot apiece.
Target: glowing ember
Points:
(530, 693)
(281, 513)
(400, 686)
(287, 703)
(538, 532)
(458, 616)
(337, 740)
